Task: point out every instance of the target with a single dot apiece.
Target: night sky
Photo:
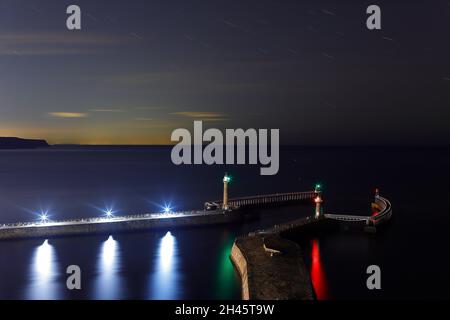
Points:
(139, 69)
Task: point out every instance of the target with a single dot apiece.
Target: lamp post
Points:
(44, 218)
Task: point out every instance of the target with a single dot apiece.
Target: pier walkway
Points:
(267, 199)
(383, 212)
(47, 229)
(271, 266)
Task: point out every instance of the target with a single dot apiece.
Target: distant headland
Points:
(19, 143)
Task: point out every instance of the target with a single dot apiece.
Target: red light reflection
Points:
(317, 272)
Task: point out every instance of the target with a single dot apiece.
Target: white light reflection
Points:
(166, 252)
(42, 285)
(108, 254)
(44, 259)
(108, 280)
(164, 283)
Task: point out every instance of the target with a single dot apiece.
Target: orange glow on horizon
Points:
(114, 134)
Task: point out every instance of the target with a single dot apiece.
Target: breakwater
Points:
(214, 213)
(271, 267)
(117, 224)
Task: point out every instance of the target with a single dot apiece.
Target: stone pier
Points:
(272, 267)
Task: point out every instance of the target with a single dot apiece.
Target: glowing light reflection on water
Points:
(43, 273)
(108, 282)
(164, 281)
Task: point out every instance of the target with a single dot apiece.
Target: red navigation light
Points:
(317, 200)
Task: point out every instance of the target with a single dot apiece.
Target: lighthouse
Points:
(318, 200)
(226, 180)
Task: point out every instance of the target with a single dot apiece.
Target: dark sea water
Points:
(412, 250)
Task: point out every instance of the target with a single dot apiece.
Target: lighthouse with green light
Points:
(226, 180)
(318, 200)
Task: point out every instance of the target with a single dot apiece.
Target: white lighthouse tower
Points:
(318, 200)
(226, 180)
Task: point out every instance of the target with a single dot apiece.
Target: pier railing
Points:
(265, 199)
(384, 214)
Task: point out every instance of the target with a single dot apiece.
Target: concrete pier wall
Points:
(240, 263)
(272, 267)
(49, 231)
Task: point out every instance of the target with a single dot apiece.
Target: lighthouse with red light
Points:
(318, 200)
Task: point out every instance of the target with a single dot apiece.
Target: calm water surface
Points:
(412, 250)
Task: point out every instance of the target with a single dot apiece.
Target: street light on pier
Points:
(167, 209)
(109, 212)
(44, 217)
